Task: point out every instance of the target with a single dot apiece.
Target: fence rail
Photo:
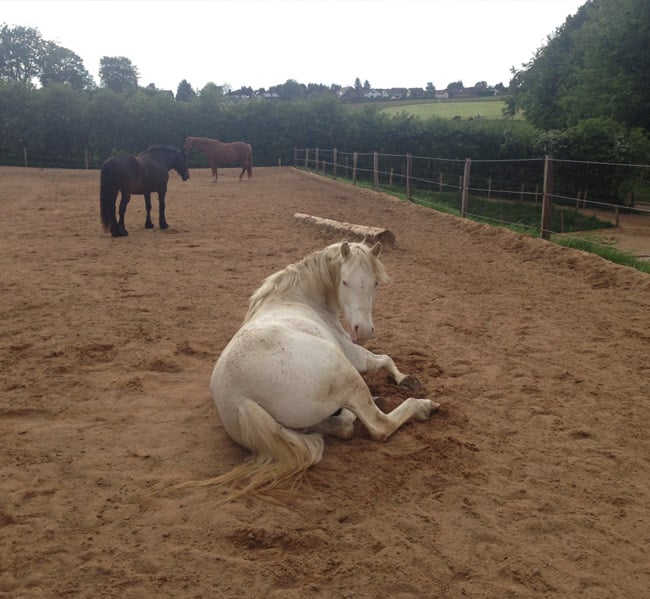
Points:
(555, 189)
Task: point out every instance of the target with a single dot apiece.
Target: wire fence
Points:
(543, 195)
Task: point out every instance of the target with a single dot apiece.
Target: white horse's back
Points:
(291, 367)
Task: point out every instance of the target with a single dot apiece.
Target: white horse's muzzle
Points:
(361, 333)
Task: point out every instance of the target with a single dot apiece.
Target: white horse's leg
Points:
(340, 425)
(365, 361)
(381, 426)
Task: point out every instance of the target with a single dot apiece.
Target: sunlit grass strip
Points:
(604, 251)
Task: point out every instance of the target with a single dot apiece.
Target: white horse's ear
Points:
(345, 249)
(376, 250)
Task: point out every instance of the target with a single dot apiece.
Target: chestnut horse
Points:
(218, 153)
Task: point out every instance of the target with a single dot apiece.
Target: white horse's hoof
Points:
(410, 382)
(426, 408)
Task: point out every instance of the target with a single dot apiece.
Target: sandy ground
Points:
(533, 479)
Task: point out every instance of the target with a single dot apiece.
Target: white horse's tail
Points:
(279, 455)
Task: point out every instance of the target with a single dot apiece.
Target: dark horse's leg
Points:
(161, 208)
(243, 170)
(213, 166)
(120, 229)
(147, 204)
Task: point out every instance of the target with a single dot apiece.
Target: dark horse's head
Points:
(171, 158)
(180, 165)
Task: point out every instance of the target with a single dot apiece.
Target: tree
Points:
(118, 74)
(456, 88)
(290, 90)
(596, 65)
(60, 65)
(21, 52)
(357, 84)
(481, 88)
(184, 92)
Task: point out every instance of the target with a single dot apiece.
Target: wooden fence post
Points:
(546, 200)
(355, 158)
(465, 198)
(316, 159)
(25, 155)
(409, 165)
(306, 157)
(375, 170)
(334, 162)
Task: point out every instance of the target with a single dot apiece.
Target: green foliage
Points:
(60, 65)
(185, 93)
(118, 74)
(21, 51)
(600, 141)
(25, 57)
(596, 65)
(105, 122)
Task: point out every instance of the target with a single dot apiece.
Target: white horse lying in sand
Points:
(291, 372)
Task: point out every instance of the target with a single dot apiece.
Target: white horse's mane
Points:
(316, 275)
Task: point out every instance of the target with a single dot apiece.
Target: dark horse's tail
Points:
(249, 168)
(108, 190)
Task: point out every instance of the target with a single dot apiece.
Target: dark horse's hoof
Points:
(164, 226)
(119, 232)
(148, 225)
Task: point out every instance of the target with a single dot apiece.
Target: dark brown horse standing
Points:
(218, 153)
(144, 174)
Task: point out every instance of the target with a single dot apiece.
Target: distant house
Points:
(442, 95)
(238, 95)
(398, 93)
(373, 94)
(267, 95)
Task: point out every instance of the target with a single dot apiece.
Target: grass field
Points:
(488, 108)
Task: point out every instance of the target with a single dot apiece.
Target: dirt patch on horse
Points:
(532, 478)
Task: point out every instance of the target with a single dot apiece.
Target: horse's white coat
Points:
(292, 365)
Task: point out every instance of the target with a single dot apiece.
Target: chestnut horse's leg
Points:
(213, 166)
(120, 227)
(243, 170)
(147, 204)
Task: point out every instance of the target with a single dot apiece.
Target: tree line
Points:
(67, 119)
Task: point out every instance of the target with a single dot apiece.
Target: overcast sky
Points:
(403, 43)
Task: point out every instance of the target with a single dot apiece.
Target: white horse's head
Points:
(360, 274)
